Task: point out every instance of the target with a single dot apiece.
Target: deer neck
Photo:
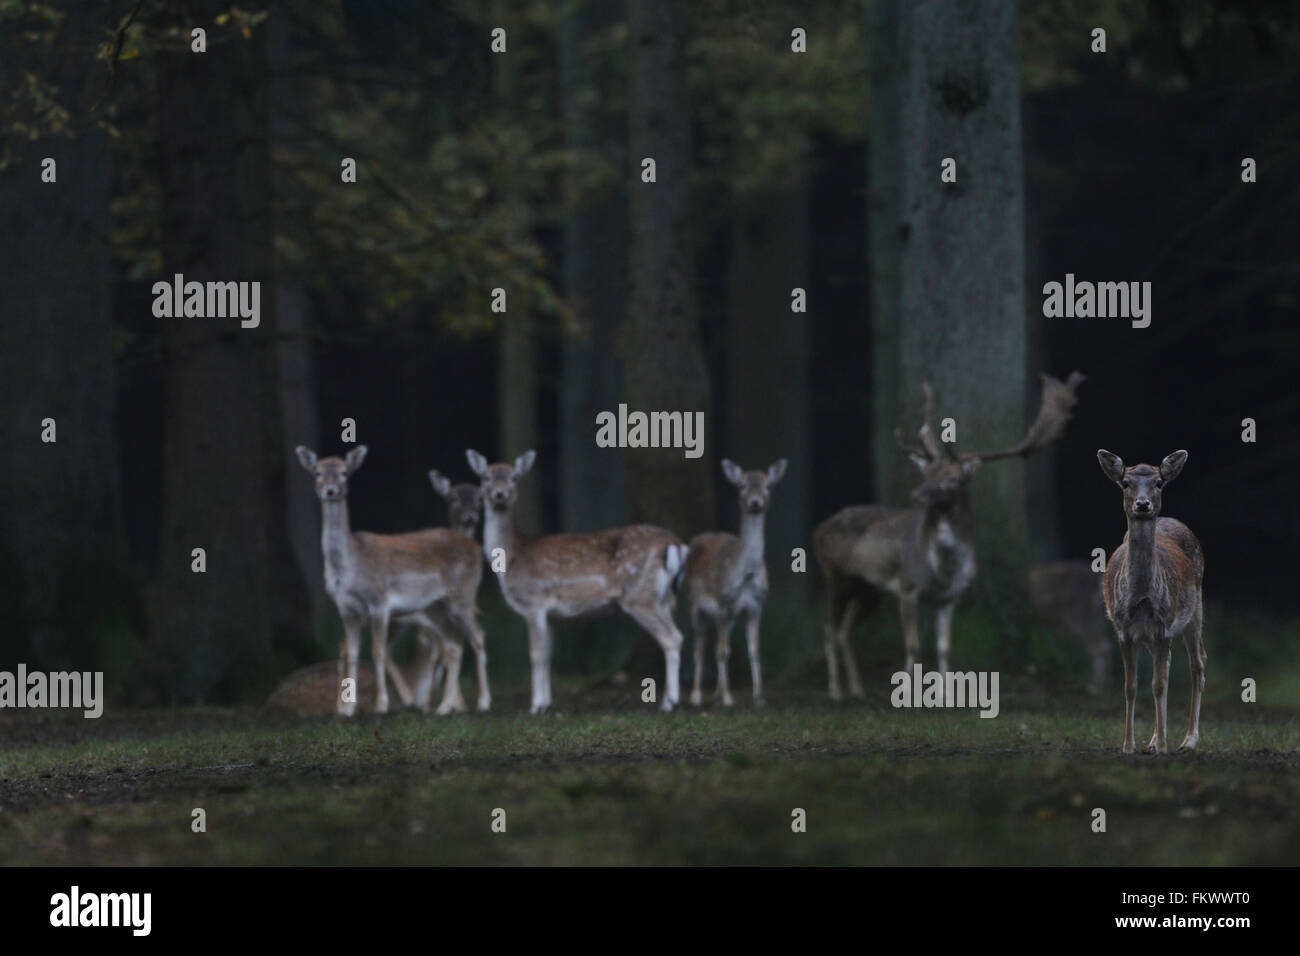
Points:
(1140, 563)
(336, 541)
(751, 538)
(499, 531)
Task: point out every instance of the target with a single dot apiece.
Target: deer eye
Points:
(1124, 483)
(1159, 483)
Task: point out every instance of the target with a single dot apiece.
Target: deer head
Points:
(499, 488)
(331, 474)
(1142, 484)
(464, 502)
(945, 474)
(754, 487)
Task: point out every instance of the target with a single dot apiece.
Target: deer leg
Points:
(539, 653)
(832, 661)
(1161, 651)
(697, 632)
(452, 701)
(908, 605)
(846, 649)
(658, 621)
(469, 622)
(943, 634)
(1128, 653)
(426, 661)
(751, 637)
(404, 692)
(723, 694)
(349, 651)
(1196, 658)
(379, 646)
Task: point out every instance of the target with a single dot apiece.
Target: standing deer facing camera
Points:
(565, 576)
(725, 577)
(428, 578)
(1153, 593)
(926, 552)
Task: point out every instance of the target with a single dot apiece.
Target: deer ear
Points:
(355, 457)
(441, 483)
(777, 471)
(306, 457)
(1172, 466)
(524, 462)
(732, 471)
(1111, 465)
(477, 463)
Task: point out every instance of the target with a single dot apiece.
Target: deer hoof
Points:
(836, 695)
(666, 706)
(1188, 745)
(484, 704)
(759, 703)
(696, 698)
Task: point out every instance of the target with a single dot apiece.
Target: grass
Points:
(618, 784)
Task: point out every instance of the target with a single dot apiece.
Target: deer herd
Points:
(924, 553)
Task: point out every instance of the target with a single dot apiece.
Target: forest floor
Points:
(607, 780)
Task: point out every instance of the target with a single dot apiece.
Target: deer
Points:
(925, 552)
(633, 569)
(464, 511)
(1067, 598)
(1152, 588)
(429, 578)
(725, 576)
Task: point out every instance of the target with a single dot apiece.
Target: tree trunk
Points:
(768, 400)
(664, 360)
(961, 260)
(63, 552)
(295, 362)
(517, 380)
(223, 486)
(593, 486)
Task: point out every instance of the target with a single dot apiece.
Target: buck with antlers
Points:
(566, 576)
(429, 578)
(1153, 593)
(922, 553)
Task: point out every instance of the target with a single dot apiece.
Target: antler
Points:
(930, 447)
(1059, 400)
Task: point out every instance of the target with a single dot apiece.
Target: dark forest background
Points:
(776, 170)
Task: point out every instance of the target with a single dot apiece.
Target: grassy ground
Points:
(609, 781)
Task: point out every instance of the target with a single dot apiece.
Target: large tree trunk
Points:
(517, 380)
(664, 360)
(62, 526)
(593, 486)
(223, 485)
(768, 400)
(960, 319)
(299, 415)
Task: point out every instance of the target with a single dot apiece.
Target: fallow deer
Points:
(1067, 598)
(400, 578)
(922, 553)
(1153, 593)
(725, 576)
(565, 576)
